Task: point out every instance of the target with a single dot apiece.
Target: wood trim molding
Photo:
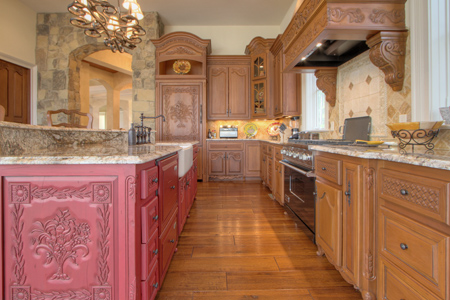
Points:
(326, 82)
(388, 52)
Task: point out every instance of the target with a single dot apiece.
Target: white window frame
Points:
(312, 101)
(430, 57)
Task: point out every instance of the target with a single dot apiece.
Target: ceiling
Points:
(196, 12)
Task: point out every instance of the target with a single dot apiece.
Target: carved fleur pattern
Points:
(380, 15)
(17, 228)
(20, 193)
(369, 269)
(103, 244)
(354, 15)
(65, 193)
(20, 292)
(180, 50)
(326, 82)
(61, 238)
(180, 113)
(62, 295)
(102, 293)
(101, 193)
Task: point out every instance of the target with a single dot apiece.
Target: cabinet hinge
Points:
(156, 193)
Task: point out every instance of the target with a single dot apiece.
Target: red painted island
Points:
(85, 226)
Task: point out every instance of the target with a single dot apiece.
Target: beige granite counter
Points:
(243, 140)
(91, 154)
(439, 159)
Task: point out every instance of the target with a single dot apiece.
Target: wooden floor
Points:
(239, 244)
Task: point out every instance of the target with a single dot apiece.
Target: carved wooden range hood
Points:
(344, 24)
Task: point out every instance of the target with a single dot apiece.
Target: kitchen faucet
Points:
(143, 132)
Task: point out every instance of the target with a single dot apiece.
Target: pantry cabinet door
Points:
(239, 92)
(217, 102)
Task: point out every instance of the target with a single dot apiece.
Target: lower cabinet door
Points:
(329, 221)
(168, 242)
(151, 285)
(149, 253)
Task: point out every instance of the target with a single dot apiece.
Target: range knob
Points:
(295, 155)
(306, 157)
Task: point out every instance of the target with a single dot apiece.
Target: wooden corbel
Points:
(326, 82)
(388, 52)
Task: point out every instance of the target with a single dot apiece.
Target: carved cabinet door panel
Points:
(59, 237)
(216, 163)
(329, 221)
(180, 103)
(217, 104)
(235, 163)
(239, 92)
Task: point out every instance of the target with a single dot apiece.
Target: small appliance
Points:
(228, 131)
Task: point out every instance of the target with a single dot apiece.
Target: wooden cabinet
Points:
(225, 164)
(228, 87)
(286, 86)
(346, 217)
(15, 92)
(252, 159)
(278, 188)
(261, 79)
(413, 231)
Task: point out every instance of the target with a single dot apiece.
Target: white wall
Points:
(228, 40)
(18, 32)
(289, 14)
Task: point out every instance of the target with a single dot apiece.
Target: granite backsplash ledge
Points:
(21, 139)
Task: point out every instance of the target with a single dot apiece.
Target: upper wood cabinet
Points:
(228, 87)
(286, 99)
(261, 85)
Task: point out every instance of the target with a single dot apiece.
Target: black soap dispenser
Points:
(131, 135)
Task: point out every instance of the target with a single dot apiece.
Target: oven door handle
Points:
(303, 172)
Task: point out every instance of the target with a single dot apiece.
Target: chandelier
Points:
(100, 18)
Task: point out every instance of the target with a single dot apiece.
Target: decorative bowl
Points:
(415, 133)
(445, 113)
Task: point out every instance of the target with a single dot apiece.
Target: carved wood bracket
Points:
(387, 52)
(326, 82)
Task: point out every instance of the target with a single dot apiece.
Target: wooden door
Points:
(168, 189)
(217, 102)
(235, 163)
(259, 99)
(180, 103)
(277, 85)
(329, 221)
(264, 168)
(269, 177)
(216, 163)
(252, 159)
(238, 92)
(352, 191)
(15, 92)
(292, 94)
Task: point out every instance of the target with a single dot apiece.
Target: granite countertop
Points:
(242, 140)
(438, 158)
(92, 154)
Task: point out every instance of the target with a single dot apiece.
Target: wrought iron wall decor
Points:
(100, 18)
(423, 137)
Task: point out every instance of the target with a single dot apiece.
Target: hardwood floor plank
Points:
(347, 293)
(174, 295)
(224, 264)
(253, 250)
(205, 240)
(304, 262)
(302, 294)
(198, 281)
(278, 238)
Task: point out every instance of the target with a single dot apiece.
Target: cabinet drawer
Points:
(226, 146)
(278, 154)
(264, 147)
(415, 248)
(395, 285)
(149, 182)
(149, 254)
(330, 169)
(427, 196)
(168, 242)
(270, 150)
(149, 219)
(151, 285)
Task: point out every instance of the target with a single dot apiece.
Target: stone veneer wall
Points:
(60, 48)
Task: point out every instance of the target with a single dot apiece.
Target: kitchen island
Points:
(83, 220)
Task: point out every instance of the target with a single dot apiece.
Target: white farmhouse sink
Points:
(185, 157)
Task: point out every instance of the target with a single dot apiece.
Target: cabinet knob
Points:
(155, 285)
(403, 246)
(155, 251)
(324, 169)
(187, 183)
(155, 218)
(172, 241)
(155, 180)
(172, 187)
(403, 192)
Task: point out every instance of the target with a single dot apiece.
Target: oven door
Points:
(299, 190)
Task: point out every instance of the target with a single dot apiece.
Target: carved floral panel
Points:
(59, 237)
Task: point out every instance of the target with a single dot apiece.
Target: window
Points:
(429, 24)
(314, 107)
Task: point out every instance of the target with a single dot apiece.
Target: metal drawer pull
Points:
(155, 285)
(403, 246)
(155, 251)
(172, 241)
(155, 180)
(403, 192)
(155, 218)
(172, 187)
